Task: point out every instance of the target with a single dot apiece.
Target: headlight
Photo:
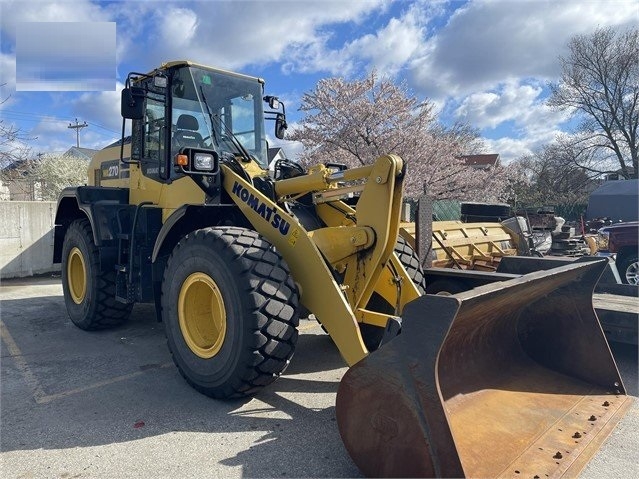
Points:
(203, 161)
(602, 240)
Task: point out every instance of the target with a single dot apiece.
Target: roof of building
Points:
(490, 159)
(616, 200)
(84, 153)
(17, 165)
(273, 152)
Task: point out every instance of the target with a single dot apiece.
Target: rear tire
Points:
(230, 310)
(89, 294)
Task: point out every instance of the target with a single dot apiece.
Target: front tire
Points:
(89, 293)
(372, 335)
(230, 309)
(629, 269)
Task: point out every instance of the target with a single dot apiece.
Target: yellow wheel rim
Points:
(76, 275)
(202, 315)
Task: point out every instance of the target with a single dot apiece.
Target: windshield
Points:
(210, 108)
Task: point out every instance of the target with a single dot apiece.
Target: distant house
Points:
(275, 154)
(617, 200)
(618, 176)
(483, 161)
(19, 183)
(83, 153)
(5, 193)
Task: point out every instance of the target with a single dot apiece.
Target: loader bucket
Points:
(511, 379)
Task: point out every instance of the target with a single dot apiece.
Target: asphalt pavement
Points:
(112, 404)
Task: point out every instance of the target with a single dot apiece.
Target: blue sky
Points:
(487, 62)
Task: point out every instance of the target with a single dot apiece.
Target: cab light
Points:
(182, 160)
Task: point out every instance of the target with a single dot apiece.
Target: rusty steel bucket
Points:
(512, 379)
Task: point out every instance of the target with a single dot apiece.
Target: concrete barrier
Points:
(26, 238)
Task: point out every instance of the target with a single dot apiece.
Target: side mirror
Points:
(132, 103)
(280, 126)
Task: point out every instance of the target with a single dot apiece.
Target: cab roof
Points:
(178, 63)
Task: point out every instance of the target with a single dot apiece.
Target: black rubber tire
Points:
(99, 308)
(261, 302)
(372, 335)
(408, 257)
(627, 268)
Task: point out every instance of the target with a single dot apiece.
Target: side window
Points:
(243, 118)
(153, 163)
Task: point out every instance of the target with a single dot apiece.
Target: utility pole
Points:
(77, 127)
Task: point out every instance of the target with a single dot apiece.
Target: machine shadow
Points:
(64, 388)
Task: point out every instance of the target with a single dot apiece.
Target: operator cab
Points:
(189, 117)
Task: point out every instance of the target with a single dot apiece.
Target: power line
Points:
(77, 127)
(24, 116)
(104, 128)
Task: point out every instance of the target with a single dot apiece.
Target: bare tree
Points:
(355, 122)
(13, 145)
(552, 178)
(15, 165)
(600, 83)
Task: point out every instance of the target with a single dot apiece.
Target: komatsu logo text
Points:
(261, 209)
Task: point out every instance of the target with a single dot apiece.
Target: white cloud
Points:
(179, 26)
(315, 57)
(392, 46)
(510, 149)
(523, 106)
(388, 49)
(486, 42)
(511, 101)
(236, 34)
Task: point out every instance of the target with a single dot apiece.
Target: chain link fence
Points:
(450, 210)
(443, 210)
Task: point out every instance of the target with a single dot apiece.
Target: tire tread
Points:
(108, 312)
(274, 297)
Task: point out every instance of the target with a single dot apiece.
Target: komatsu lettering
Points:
(261, 208)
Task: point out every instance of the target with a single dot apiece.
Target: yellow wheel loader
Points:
(513, 378)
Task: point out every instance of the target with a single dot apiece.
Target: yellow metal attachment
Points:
(202, 315)
(339, 242)
(76, 275)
